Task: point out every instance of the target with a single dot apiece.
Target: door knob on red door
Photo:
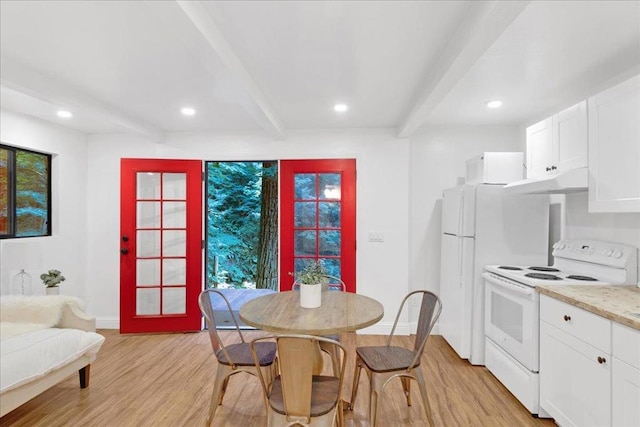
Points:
(124, 251)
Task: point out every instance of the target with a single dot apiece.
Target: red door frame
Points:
(287, 171)
(129, 321)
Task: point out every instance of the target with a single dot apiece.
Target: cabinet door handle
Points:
(601, 360)
(567, 318)
(553, 168)
(547, 169)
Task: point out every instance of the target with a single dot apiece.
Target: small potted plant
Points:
(311, 279)
(51, 280)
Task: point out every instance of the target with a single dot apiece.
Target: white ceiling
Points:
(129, 66)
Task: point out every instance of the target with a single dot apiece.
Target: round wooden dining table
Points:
(339, 312)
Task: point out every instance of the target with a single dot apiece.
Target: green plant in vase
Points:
(313, 274)
(52, 279)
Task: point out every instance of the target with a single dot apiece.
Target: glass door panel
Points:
(318, 218)
(161, 245)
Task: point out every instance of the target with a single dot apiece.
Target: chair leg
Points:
(340, 413)
(406, 386)
(222, 377)
(377, 385)
(423, 392)
(356, 380)
(225, 383)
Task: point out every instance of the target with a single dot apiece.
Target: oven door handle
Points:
(508, 285)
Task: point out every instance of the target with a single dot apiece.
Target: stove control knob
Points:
(609, 252)
(617, 254)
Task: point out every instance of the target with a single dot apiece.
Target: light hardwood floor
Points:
(165, 380)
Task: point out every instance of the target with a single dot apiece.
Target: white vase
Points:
(52, 290)
(310, 295)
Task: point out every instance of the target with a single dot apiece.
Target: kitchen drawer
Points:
(588, 327)
(626, 344)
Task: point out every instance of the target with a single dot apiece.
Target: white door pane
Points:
(148, 272)
(174, 300)
(174, 243)
(174, 186)
(148, 214)
(174, 214)
(147, 243)
(147, 185)
(174, 271)
(147, 301)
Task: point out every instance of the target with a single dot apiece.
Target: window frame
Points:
(12, 181)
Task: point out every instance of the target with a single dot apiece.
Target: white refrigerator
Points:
(481, 225)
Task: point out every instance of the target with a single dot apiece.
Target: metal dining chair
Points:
(233, 358)
(297, 396)
(333, 284)
(385, 363)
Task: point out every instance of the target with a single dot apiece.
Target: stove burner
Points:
(542, 276)
(586, 278)
(508, 267)
(548, 269)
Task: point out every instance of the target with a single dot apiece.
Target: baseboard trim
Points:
(107, 323)
(384, 328)
(381, 328)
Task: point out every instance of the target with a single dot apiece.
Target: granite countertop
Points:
(620, 303)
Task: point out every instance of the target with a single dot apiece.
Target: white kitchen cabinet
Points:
(570, 136)
(625, 377)
(614, 148)
(559, 143)
(575, 374)
(539, 149)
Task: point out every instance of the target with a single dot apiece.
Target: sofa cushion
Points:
(41, 309)
(32, 355)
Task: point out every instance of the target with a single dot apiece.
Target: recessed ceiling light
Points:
(340, 108)
(64, 114)
(188, 111)
(494, 104)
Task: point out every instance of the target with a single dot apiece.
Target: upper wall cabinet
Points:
(559, 143)
(614, 148)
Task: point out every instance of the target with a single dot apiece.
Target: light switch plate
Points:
(376, 236)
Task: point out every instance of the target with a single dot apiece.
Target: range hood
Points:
(571, 181)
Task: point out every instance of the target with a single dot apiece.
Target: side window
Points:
(25, 193)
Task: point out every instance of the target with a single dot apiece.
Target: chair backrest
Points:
(206, 303)
(430, 309)
(296, 362)
(333, 284)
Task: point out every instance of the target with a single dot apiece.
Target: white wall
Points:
(400, 182)
(613, 227)
(382, 201)
(437, 161)
(65, 250)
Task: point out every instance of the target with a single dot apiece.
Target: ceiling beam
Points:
(30, 82)
(257, 105)
(484, 23)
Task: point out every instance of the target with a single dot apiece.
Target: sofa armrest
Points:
(73, 317)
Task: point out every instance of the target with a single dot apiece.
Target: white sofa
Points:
(43, 340)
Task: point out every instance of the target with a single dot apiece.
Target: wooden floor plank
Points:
(166, 380)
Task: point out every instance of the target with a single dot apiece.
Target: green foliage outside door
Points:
(241, 227)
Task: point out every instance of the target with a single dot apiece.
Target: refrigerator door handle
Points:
(460, 255)
(461, 214)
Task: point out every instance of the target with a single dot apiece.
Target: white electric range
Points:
(512, 306)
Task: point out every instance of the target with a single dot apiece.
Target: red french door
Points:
(160, 245)
(318, 218)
